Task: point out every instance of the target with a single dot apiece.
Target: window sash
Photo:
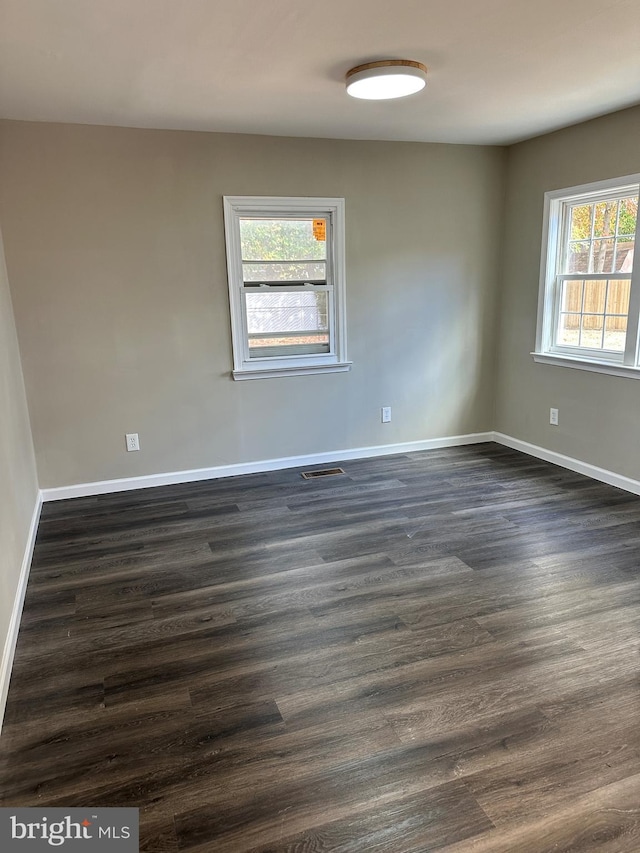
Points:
(567, 209)
(589, 352)
(300, 351)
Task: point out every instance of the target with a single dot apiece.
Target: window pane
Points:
(306, 344)
(299, 311)
(618, 296)
(571, 296)
(628, 216)
(602, 255)
(581, 222)
(606, 213)
(591, 331)
(615, 333)
(578, 257)
(594, 296)
(285, 272)
(624, 256)
(280, 240)
(568, 330)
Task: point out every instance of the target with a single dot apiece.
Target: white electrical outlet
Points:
(386, 414)
(553, 417)
(133, 443)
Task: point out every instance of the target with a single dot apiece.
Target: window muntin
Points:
(285, 260)
(589, 301)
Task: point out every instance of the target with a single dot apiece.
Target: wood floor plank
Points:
(606, 820)
(413, 824)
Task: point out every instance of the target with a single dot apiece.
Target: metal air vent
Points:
(323, 472)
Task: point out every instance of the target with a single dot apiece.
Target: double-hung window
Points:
(589, 303)
(285, 263)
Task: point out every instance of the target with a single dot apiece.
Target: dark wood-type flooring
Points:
(434, 651)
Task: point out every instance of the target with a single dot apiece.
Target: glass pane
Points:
(628, 216)
(618, 296)
(606, 213)
(602, 255)
(591, 331)
(302, 344)
(581, 222)
(281, 240)
(594, 296)
(615, 333)
(578, 257)
(297, 311)
(568, 330)
(285, 272)
(571, 296)
(624, 256)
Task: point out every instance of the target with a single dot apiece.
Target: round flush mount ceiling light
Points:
(387, 78)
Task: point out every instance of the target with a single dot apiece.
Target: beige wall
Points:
(115, 249)
(18, 484)
(599, 414)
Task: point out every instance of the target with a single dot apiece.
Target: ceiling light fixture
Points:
(387, 78)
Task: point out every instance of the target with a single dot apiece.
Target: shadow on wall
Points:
(441, 361)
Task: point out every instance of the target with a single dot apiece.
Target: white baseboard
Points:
(16, 614)
(601, 474)
(104, 487)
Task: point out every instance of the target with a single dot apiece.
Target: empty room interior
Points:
(235, 252)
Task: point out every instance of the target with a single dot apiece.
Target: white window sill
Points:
(587, 364)
(272, 372)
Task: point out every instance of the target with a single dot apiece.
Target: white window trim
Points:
(545, 352)
(627, 371)
(336, 361)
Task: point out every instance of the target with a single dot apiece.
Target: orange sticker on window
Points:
(320, 229)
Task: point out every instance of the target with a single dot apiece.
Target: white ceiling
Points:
(499, 70)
